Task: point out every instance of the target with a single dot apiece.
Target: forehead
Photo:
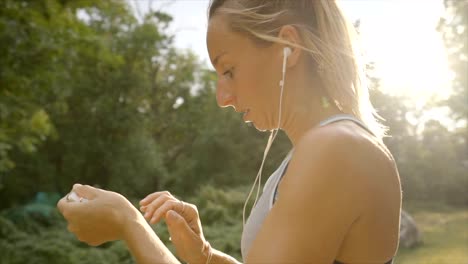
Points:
(221, 39)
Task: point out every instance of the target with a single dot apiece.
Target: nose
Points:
(224, 95)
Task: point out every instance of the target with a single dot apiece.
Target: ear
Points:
(290, 34)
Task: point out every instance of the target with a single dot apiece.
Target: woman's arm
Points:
(184, 227)
(144, 245)
(147, 248)
(108, 216)
(320, 198)
(222, 258)
(334, 180)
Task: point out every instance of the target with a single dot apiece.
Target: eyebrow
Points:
(215, 61)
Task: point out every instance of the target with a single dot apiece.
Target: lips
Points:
(246, 112)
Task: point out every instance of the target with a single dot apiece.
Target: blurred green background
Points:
(109, 101)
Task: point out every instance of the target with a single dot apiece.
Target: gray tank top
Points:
(269, 194)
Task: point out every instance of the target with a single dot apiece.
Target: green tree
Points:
(91, 80)
(29, 77)
(454, 29)
(426, 152)
(127, 111)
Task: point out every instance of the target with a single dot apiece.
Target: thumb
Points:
(178, 227)
(85, 191)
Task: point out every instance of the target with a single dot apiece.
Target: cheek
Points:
(254, 83)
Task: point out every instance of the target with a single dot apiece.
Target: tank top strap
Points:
(341, 117)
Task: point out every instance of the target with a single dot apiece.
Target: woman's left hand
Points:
(104, 216)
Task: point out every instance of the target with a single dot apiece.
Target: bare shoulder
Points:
(343, 135)
(343, 159)
(346, 145)
(356, 174)
(325, 193)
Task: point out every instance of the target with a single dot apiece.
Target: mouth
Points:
(245, 113)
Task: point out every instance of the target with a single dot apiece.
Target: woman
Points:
(336, 197)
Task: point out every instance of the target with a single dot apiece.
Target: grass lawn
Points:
(445, 235)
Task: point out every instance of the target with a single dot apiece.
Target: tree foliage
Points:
(454, 29)
(113, 104)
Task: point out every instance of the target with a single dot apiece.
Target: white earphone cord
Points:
(271, 139)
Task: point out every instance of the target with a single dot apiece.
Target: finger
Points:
(148, 199)
(151, 197)
(72, 229)
(178, 227)
(85, 191)
(143, 208)
(94, 243)
(68, 209)
(151, 208)
(161, 211)
(61, 204)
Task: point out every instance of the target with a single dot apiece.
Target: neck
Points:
(305, 108)
(299, 122)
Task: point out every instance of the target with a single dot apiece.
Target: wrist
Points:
(204, 255)
(144, 245)
(129, 218)
(129, 226)
(207, 252)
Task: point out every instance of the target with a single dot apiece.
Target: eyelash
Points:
(229, 73)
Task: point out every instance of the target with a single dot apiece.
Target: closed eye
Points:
(228, 73)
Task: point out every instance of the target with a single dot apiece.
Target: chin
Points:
(260, 127)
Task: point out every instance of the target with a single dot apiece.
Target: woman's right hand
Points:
(183, 223)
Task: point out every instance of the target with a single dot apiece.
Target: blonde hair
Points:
(327, 37)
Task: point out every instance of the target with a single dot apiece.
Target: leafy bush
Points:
(37, 233)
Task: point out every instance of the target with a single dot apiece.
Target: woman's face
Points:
(248, 75)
